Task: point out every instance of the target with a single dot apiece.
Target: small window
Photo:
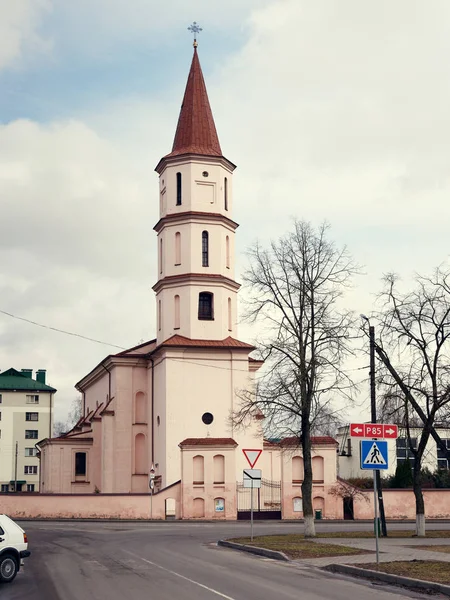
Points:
(30, 487)
(178, 189)
(32, 399)
(5, 490)
(31, 434)
(31, 416)
(205, 249)
(30, 451)
(205, 306)
(159, 315)
(227, 252)
(160, 256)
(177, 249)
(207, 418)
(230, 317)
(442, 461)
(30, 470)
(80, 463)
(225, 193)
(176, 324)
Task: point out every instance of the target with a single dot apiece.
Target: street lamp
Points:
(373, 410)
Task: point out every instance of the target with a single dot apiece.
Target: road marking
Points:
(205, 587)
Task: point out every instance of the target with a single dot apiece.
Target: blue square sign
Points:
(374, 455)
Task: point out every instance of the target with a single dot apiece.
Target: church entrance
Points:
(266, 501)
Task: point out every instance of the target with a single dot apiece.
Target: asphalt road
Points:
(172, 561)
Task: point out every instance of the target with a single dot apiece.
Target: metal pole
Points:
(251, 512)
(15, 467)
(151, 504)
(375, 503)
(373, 407)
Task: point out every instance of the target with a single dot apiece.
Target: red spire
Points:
(196, 132)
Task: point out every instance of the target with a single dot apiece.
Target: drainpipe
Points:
(50, 430)
(153, 409)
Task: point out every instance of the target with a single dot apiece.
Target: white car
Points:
(13, 549)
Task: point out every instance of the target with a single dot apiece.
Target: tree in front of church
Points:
(295, 288)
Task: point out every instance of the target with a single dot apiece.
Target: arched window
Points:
(159, 315)
(178, 189)
(225, 193)
(198, 469)
(199, 508)
(205, 306)
(205, 249)
(297, 469)
(227, 252)
(229, 315)
(317, 468)
(176, 324)
(160, 255)
(140, 463)
(140, 415)
(219, 468)
(177, 248)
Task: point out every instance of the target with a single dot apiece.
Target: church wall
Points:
(98, 392)
(58, 475)
(210, 499)
(160, 419)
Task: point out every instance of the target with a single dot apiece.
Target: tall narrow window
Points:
(176, 312)
(178, 189)
(198, 469)
(227, 251)
(229, 315)
(205, 249)
(205, 306)
(160, 255)
(225, 193)
(177, 248)
(219, 468)
(159, 315)
(80, 463)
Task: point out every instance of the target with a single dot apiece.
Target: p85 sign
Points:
(374, 430)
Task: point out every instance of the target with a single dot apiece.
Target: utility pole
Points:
(373, 407)
(15, 466)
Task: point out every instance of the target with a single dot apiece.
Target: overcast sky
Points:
(335, 110)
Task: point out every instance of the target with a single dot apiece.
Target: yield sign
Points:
(252, 456)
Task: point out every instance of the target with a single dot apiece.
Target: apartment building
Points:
(26, 416)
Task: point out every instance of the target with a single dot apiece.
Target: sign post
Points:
(252, 479)
(151, 485)
(374, 455)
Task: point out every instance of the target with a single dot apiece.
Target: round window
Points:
(207, 418)
(205, 173)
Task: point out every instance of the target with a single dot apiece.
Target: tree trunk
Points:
(307, 485)
(420, 504)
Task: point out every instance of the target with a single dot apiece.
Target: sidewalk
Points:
(390, 550)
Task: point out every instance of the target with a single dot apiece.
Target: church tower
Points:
(196, 294)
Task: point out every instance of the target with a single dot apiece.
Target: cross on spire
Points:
(195, 28)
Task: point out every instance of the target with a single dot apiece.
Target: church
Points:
(163, 409)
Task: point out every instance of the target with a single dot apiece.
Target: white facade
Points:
(26, 416)
(349, 453)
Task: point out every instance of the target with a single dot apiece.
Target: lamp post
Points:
(373, 416)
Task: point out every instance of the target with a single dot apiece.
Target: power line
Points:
(78, 335)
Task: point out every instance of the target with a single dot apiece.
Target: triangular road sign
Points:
(252, 456)
(374, 456)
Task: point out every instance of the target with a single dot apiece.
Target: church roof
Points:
(229, 342)
(15, 380)
(196, 132)
(208, 441)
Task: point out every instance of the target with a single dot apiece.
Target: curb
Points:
(255, 550)
(389, 578)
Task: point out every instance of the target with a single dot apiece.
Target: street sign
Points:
(374, 455)
(252, 478)
(252, 456)
(374, 430)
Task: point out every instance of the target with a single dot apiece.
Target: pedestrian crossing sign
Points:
(374, 455)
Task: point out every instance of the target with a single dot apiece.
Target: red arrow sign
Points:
(390, 431)
(357, 430)
(374, 430)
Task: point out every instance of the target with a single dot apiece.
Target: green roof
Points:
(15, 380)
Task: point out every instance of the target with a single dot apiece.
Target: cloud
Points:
(19, 30)
(332, 111)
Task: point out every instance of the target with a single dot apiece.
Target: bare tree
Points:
(74, 415)
(416, 331)
(295, 289)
